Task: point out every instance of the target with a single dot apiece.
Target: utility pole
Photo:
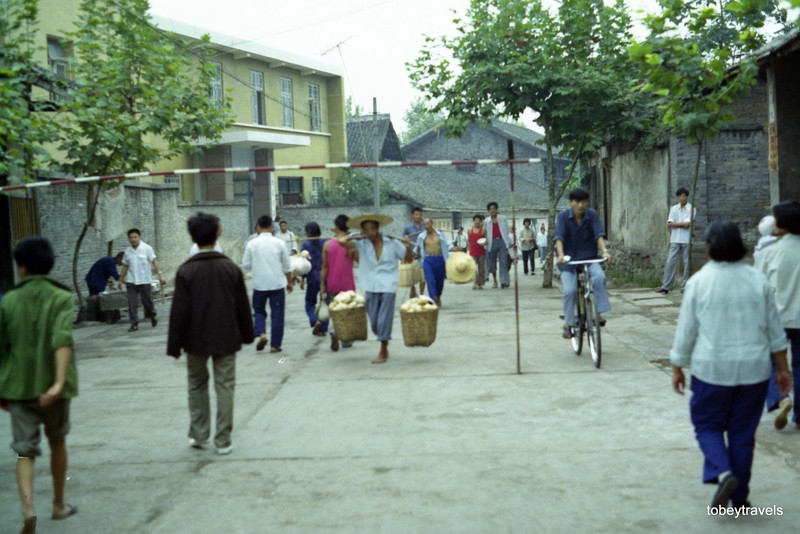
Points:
(376, 188)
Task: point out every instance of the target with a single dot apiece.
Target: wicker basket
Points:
(410, 274)
(350, 324)
(419, 328)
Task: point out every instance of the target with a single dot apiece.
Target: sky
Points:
(376, 38)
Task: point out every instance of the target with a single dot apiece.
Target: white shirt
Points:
(677, 214)
(266, 256)
(380, 275)
(460, 240)
(503, 222)
(139, 262)
(195, 249)
(289, 240)
(780, 262)
(729, 325)
(541, 239)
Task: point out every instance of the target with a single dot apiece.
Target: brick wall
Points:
(154, 209)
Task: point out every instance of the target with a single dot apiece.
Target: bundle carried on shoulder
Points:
(419, 317)
(349, 315)
(300, 264)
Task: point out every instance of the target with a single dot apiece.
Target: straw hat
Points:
(460, 267)
(356, 222)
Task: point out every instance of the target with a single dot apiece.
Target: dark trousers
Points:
(727, 411)
(312, 292)
(434, 269)
(774, 396)
(134, 292)
(277, 309)
(528, 256)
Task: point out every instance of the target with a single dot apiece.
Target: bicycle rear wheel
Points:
(580, 324)
(593, 332)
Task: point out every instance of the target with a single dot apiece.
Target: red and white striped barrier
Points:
(181, 172)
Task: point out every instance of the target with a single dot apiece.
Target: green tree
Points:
(687, 64)
(419, 119)
(351, 109)
(569, 66)
(142, 96)
(23, 131)
(353, 187)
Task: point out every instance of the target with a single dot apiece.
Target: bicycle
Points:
(586, 316)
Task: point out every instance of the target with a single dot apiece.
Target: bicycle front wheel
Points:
(593, 332)
(580, 324)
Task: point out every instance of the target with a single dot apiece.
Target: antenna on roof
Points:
(337, 45)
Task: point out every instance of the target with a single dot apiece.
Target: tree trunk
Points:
(76, 254)
(551, 213)
(691, 201)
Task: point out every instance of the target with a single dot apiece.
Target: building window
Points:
(286, 103)
(58, 61)
(467, 168)
(316, 190)
(257, 97)
(290, 189)
(215, 91)
(314, 105)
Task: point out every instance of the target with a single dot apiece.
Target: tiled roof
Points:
(361, 135)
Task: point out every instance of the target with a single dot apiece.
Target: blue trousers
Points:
(542, 252)
(380, 309)
(312, 292)
(433, 267)
(277, 308)
(727, 411)
(499, 253)
(774, 396)
(569, 284)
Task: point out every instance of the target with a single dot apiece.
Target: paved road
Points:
(443, 439)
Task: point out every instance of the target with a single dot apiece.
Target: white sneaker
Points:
(225, 450)
(195, 444)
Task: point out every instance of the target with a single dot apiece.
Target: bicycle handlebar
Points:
(567, 261)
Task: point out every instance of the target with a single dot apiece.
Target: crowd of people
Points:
(736, 326)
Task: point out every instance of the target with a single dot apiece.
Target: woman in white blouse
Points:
(728, 333)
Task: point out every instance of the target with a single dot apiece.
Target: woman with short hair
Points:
(727, 331)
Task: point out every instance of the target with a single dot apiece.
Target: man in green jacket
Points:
(37, 371)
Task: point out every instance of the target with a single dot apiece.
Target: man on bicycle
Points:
(579, 235)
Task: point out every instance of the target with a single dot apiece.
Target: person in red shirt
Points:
(478, 252)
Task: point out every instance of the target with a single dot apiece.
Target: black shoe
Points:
(317, 330)
(334, 343)
(154, 321)
(133, 328)
(533, 273)
(262, 342)
(662, 291)
(602, 320)
(723, 495)
(567, 333)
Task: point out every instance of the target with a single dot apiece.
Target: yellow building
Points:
(286, 109)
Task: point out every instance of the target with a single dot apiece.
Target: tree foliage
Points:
(419, 119)
(354, 187)
(693, 64)
(569, 66)
(23, 131)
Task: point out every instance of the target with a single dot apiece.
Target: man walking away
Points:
(268, 258)
(336, 275)
(678, 222)
(137, 265)
(210, 318)
(38, 377)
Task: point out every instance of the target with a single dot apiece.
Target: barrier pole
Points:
(516, 250)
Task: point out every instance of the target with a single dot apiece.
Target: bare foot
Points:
(380, 359)
(64, 511)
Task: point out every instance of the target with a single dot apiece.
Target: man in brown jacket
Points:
(210, 317)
